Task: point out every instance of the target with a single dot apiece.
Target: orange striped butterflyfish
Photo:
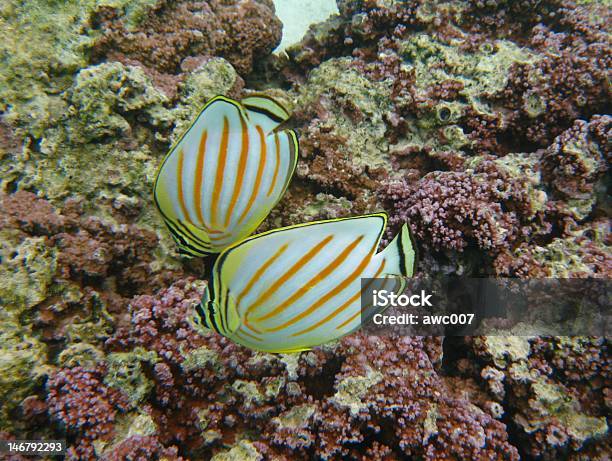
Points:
(289, 289)
(225, 173)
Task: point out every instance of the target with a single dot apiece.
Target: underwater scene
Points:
(195, 196)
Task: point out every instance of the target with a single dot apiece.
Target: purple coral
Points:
(85, 405)
(306, 411)
(570, 81)
(142, 448)
(454, 209)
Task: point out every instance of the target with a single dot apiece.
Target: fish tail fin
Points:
(399, 262)
(400, 254)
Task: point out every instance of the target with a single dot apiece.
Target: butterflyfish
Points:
(289, 289)
(225, 173)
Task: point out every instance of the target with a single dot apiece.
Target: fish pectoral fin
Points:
(233, 316)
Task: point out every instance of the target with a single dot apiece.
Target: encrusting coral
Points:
(484, 124)
(239, 31)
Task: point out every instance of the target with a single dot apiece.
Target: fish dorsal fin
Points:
(265, 111)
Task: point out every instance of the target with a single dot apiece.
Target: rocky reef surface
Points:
(485, 124)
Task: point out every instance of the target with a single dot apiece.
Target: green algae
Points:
(208, 436)
(244, 450)
(324, 202)
(524, 168)
(22, 368)
(506, 349)
(91, 325)
(128, 425)
(351, 390)
(125, 372)
(216, 76)
(83, 355)
(357, 112)
(91, 127)
(43, 42)
(254, 394)
(249, 392)
(273, 387)
(430, 427)
(200, 358)
(291, 362)
(295, 418)
(102, 98)
(551, 402)
(482, 73)
(27, 267)
(566, 257)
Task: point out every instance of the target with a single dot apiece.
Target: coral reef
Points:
(208, 393)
(66, 279)
(485, 124)
(239, 31)
(550, 389)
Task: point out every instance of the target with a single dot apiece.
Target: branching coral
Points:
(79, 400)
(486, 207)
(571, 79)
(323, 402)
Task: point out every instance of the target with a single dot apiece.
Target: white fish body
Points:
(297, 287)
(225, 174)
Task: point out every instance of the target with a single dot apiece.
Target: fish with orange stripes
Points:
(293, 288)
(225, 174)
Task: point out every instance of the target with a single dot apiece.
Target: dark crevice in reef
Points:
(454, 348)
(322, 384)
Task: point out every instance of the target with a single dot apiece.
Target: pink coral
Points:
(454, 209)
(78, 398)
(175, 33)
(569, 82)
(142, 448)
(306, 411)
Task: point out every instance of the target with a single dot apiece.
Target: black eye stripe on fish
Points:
(304, 288)
(209, 205)
(226, 316)
(211, 316)
(201, 315)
